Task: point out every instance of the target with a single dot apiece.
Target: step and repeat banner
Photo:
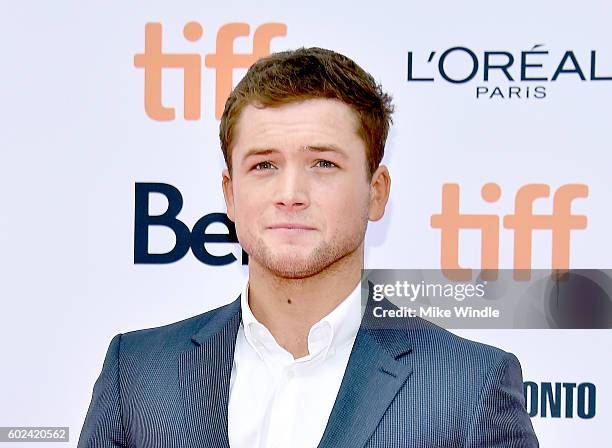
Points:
(112, 212)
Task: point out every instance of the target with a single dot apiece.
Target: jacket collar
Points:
(216, 322)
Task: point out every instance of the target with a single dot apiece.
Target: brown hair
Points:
(307, 73)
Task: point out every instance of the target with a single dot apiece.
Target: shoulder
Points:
(455, 356)
(174, 336)
(436, 340)
(432, 344)
(479, 384)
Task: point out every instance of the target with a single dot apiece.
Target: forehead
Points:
(309, 122)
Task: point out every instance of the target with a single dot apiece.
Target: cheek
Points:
(345, 208)
(246, 209)
(246, 216)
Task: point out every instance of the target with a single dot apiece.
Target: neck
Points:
(289, 307)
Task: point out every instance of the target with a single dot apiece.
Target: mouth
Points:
(290, 227)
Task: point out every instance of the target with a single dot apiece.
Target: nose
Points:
(291, 193)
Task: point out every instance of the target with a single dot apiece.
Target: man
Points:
(295, 361)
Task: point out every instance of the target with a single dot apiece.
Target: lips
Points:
(290, 226)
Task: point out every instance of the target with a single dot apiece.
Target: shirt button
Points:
(290, 373)
(261, 332)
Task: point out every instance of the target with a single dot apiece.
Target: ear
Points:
(228, 194)
(380, 185)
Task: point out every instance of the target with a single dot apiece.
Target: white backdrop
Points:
(76, 140)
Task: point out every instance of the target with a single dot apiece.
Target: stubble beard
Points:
(293, 265)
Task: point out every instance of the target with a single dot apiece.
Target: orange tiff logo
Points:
(223, 61)
(523, 222)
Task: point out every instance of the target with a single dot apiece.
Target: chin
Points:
(293, 266)
(296, 261)
(290, 262)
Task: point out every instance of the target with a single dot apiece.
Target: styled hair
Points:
(307, 73)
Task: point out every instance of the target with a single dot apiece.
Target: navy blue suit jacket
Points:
(408, 383)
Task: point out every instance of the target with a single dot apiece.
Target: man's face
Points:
(299, 193)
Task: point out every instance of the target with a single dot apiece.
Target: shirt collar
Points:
(334, 330)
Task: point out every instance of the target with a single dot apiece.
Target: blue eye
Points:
(325, 164)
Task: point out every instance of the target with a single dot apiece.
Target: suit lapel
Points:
(378, 367)
(204, 375)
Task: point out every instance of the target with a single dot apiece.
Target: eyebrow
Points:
(327, 148)
(259, 152)
(314, 148)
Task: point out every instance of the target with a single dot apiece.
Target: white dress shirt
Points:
(277, 401)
